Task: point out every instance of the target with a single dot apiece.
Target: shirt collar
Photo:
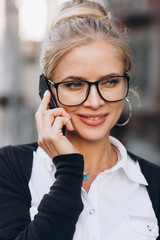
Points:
(130, 167)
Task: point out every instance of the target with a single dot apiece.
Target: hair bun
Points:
(80, 9)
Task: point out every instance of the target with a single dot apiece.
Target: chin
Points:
(92, 135)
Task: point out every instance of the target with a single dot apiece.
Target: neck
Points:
(96, 154)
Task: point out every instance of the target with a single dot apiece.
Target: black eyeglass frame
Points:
(55, 85)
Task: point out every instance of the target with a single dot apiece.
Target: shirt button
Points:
(91, 211)
(149, 228)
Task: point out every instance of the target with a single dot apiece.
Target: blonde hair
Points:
(80, 22)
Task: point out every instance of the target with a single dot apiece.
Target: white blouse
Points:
(117, 206)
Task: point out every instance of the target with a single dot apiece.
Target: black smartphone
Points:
(43, 86)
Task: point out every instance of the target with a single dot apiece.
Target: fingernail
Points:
(46, 92)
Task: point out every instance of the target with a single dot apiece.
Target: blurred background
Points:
(23, 26)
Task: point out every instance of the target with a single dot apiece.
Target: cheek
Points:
(118, 106)
(69, 110)
(116, 110)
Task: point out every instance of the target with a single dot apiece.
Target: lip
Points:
(93, 120)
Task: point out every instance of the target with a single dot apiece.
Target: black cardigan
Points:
(59, 210)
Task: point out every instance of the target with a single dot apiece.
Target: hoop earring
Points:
(129, 117)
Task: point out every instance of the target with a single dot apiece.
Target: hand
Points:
(49, 125)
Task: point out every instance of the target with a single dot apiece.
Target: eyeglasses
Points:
(76, 92)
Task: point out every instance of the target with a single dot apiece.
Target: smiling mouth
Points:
(94, 117)
(93, 120)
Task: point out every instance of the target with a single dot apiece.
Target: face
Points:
(93, 119)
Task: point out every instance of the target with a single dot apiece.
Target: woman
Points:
(93, 189)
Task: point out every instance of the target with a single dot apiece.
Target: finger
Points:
(69, 126)
(44, 105)
(45, 102)
(48, 116)
(60, 122)
(56, 112)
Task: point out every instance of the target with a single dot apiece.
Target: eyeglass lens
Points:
(75, 92)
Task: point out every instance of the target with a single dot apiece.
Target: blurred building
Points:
(142, 18)
(20, 69)
(20, 46)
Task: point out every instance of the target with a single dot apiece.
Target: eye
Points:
(110, 82)
(73, 85)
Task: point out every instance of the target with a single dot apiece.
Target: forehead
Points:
(96, 58)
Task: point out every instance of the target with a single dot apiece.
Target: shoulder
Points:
(19, 148)
(150, 170)
(13, 153)
(17, 159)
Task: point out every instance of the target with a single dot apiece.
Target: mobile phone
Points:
(43, 86)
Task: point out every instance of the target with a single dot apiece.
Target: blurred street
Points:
(24, 25)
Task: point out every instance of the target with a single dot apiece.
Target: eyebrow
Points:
(72, 77)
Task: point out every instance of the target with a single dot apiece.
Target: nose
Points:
(94, 100)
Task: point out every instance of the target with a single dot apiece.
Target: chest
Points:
(117, 208)
(114, 206)
(90, 179)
